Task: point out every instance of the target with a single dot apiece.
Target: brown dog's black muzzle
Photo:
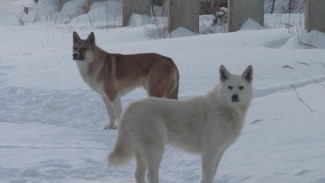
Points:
(78, 56)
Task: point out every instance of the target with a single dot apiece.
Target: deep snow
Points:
(51, 123)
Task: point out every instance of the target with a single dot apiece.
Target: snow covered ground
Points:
(51, 123)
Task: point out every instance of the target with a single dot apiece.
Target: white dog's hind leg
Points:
(140, 172)
(153, 158)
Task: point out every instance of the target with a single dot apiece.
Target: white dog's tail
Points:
(121, 153)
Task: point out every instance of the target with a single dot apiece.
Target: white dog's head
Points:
(236, 89)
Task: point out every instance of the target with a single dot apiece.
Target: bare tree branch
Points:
(301, 100)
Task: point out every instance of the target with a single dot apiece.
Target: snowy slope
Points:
(51, 123)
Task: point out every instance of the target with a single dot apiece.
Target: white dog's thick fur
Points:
(206, 125)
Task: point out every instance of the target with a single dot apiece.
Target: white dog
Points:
(206, 125)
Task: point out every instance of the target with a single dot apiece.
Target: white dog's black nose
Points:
(235, 98)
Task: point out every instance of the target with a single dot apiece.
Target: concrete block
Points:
(93, 1)
(141, 7)
(239, 11)
(61, 3)
(183, 13)
(89, 2)
(315, 15)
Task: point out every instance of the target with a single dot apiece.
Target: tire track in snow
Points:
(258, 93)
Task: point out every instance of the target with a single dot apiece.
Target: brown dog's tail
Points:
(174, 87)
(121, 153)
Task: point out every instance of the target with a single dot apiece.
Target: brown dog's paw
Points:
(112, 127)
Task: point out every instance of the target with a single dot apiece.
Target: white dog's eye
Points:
(241, 88)
(230, 87)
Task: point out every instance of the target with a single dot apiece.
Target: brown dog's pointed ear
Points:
(223, 73)
(248, 73)
(91, 38)
(76, 37)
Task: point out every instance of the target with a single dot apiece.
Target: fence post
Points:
(135, 6)
(183, 13)
(241, 10)
(315, 15)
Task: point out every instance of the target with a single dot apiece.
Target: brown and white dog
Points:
(114, 75)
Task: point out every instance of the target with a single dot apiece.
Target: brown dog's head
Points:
(81, 47)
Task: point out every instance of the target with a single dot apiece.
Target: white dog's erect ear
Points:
(248, 73)
(223, 73)
(76, 37)
(91, 38)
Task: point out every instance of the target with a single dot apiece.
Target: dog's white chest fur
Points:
(91, 77)
(231, 122)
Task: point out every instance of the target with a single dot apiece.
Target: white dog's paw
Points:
(110, 126)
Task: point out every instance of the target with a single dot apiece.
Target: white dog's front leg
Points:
(219, 156)
(111, 115)
(208, 167)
